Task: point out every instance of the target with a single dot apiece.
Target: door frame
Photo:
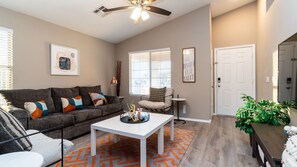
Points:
(253, 46)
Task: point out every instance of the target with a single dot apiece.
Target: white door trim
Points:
(253, 46)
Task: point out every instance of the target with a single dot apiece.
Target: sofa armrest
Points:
(21, 114)
(112, 99)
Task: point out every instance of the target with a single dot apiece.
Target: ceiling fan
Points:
(140, 8)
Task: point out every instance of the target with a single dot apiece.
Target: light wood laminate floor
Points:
(218, 144)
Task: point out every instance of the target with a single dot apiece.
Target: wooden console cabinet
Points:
(268, 144)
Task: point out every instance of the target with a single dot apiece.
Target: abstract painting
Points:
(64, 60)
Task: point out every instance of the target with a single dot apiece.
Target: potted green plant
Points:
(262, 111)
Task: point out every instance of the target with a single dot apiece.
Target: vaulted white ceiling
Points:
(115, 27)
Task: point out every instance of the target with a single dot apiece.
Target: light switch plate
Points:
(267, 79)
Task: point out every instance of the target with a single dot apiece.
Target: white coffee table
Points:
(139, 131)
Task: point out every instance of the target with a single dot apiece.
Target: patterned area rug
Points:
(126, 152)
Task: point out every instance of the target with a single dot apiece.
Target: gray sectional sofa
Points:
(76, 123)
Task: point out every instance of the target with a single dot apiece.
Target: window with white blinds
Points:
(149, 69)
(6, 58)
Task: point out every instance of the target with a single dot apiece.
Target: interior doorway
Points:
(234, 76)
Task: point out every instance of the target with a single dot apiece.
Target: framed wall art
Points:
(189, 65)
(64, 60)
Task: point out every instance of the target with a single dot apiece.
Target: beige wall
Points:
(238, 27)
(274, 26)
(191, 30)
(32, 38)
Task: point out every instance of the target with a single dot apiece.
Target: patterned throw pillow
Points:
(98, 99)
(11, 128)
(36, 109)
(70, 104)
(157, 94)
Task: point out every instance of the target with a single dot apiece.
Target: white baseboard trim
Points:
(195, 120)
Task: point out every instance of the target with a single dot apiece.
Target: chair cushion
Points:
(18, 98)
(70, 104)
(36, 109)
(49, 148)
(52, 120)
(57, 93)
(85, 114)
(152, 105)
(109, 108)
(84, 92)
(157, 94)
(11, 128)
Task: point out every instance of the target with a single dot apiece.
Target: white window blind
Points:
(6, 58)
(149, 69)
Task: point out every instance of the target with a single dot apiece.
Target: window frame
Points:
(150, 67)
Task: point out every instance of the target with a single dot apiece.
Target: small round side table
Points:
(177, 101)
(23, 158)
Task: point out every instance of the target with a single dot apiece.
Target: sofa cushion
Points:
(84, 92)
(36, 109)
(112, 99)
(57, 93)
(109, 108)
(49, 148)
(51, 121)
(11, 128)
(98, 99)
(70, 104)
(85, 114)
(18, 98)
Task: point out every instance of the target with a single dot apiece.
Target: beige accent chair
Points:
(161, 107)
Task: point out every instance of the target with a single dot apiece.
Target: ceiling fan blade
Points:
(158, 10)
(99, 9)
(115, 9)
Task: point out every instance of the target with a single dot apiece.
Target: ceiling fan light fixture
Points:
(146, 2)
(140, 10)
(136, 13)
(145, 15)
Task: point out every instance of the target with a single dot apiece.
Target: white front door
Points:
(235, 75)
